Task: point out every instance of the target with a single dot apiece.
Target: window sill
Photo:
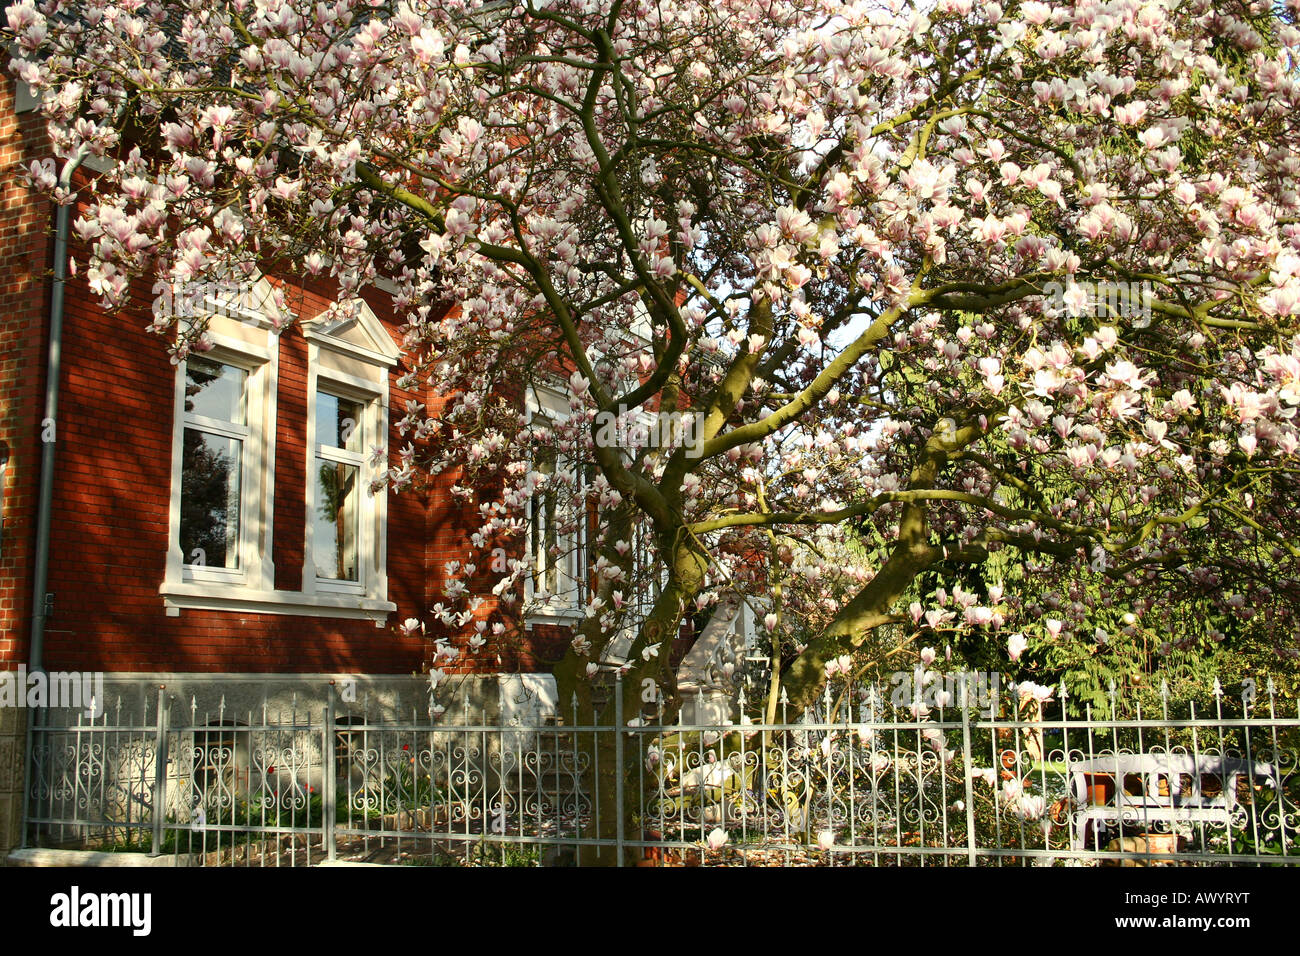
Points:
(322, 604)
(554, 615)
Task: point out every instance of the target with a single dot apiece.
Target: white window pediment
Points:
(224, 307)
(255, 304)
(354, 328)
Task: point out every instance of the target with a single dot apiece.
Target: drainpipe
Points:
(45, 500)
(49, 420)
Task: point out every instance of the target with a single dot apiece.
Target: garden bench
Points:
(1140, 789)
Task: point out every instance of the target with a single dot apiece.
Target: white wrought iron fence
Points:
(963, 776)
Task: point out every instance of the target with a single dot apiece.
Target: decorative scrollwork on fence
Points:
(897, 786)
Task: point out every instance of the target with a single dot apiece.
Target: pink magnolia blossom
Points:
(751, 212)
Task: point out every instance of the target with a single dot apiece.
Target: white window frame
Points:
(247, 337)
(255, 570)
(550, 405)
(372, 536)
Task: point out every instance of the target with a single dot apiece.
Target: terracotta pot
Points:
(1100, 788)
(1165, 844)
(1161, 842)
(654, 856)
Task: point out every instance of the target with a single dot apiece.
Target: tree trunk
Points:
(869, 609)
(601, 746)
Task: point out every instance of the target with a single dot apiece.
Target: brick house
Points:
(211, 520)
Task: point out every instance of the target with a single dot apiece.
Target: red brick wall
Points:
(451, 522)
(110, 527)
(112, 491)
(290, 459)
(25, 221)
(110, 524)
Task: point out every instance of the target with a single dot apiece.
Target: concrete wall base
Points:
(39, 857)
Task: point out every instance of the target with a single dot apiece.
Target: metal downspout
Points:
(49, 434)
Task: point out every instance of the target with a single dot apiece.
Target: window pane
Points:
(334, 538)
(210, 500)
(214, 390)
(543, 531)
(339, 422)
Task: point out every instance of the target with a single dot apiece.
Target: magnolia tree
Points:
(916, 287)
